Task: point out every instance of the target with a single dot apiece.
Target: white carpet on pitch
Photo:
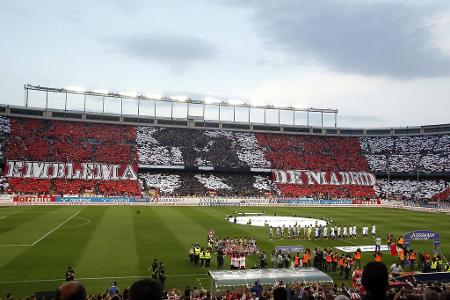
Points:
(277, 221)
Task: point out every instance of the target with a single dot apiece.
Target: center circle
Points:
(277, 221)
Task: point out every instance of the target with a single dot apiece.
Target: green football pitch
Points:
(104, 244)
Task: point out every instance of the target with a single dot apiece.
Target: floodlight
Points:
(179, 98)
(76, 89)
(128, 94)
(154, 96)
(101, 91)
(235, 102)
(210, 100)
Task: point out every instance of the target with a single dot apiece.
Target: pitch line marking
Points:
(15, 245)
(86, 221)
(103, 278)
(44, 236)
(56, 228)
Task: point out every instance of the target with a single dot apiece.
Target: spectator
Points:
(375, 281)
(396, 269)
(256, 288)
(146, 289)
(72, 290)
(187, 293)
(280, 292)
(114, 289)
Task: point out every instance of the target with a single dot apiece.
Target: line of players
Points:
(317, 232)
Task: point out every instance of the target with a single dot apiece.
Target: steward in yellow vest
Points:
(202, 257)
(207, 258)
(434, 264)
(197, 251)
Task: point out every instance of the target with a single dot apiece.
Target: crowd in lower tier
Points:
(374, 285)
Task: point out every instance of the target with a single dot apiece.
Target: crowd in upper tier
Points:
(193, 148)
(426, 154)
(410, 189)
(312, 152)
(77, 142)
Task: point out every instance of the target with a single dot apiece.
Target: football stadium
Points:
(224, 150)
(116, 198)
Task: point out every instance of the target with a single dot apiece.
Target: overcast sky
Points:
(381, 63)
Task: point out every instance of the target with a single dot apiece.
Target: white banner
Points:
(351, 249)
(308, 177)
(59, 170)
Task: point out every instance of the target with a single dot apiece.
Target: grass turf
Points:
(111, 243)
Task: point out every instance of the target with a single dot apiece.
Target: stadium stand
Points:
(312, 153)
(318, 154)
(57, 141)
(410, 189)
(375, 285)
(326, 191)
(229, 157)
(443, 195)
(193, 148)
(409, 154)
(207, 184)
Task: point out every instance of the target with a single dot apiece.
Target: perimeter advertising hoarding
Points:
(368, 248)
(87, 200)
(314, 201)
(289, 248)
(34, 199)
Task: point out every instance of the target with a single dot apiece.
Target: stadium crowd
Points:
(77, 142)
(193, 148)
(372, 283)
(207, 184)
(409, 154)
(409, 189)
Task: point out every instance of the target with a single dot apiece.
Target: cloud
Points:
(361, 100)
(177, 51)
(393, 39)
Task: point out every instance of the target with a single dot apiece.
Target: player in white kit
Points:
(242, 262)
